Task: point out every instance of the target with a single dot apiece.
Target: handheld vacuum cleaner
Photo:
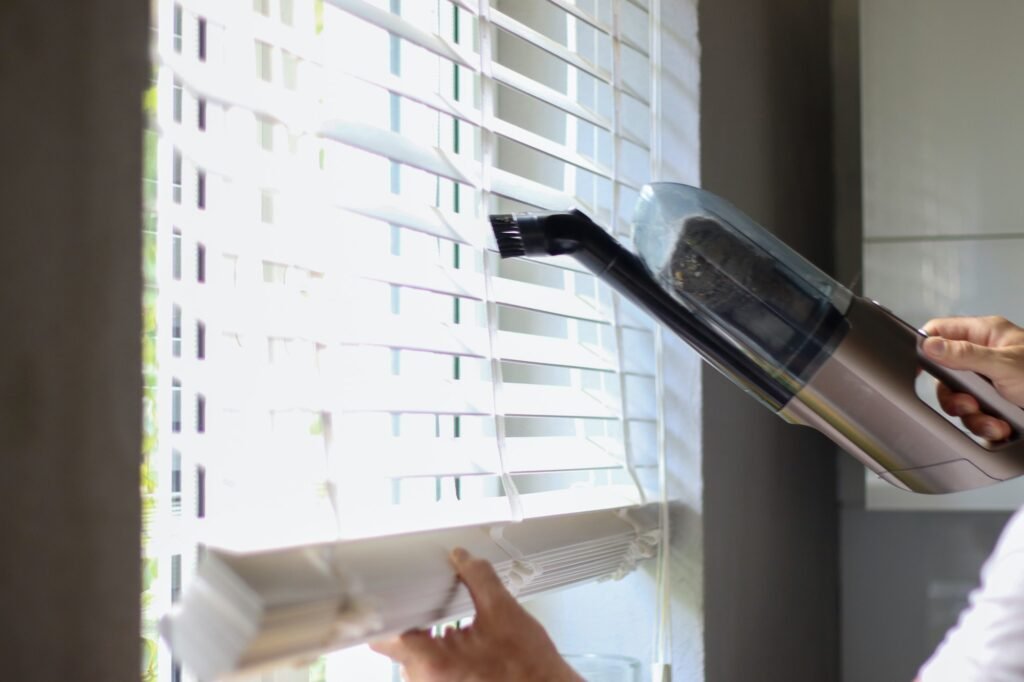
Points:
(786, 333)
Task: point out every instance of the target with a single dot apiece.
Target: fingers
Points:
(411, 644)
(965, 355)
(956, 404)
(987, 427)
(483, 583)
(965, 406)
(979, 330)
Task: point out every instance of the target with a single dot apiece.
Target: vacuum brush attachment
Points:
(556, 234)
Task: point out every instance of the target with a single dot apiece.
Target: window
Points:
(376, 320)
(176, 406)
(201, 113)
(274, 273)
(200, 263)
(290, 70)
(264, 55)
(200, 492)
(201, 39)
(200, 189)
(179, 23)
(176, 331)
(200, 341)
(176, 99)
(175, 482)
(287, 12)
(200, 413)
(265, 134)
(266, 206)
(176, 162)
(175, 577)
(176, 254)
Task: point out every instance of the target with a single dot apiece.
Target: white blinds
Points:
(247, 611)
(369, 365)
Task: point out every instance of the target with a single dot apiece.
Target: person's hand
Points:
(504, 643)
(990, 346)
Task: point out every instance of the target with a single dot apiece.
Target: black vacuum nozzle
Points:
(545, 234)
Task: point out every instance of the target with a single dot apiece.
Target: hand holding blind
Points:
(504, 643)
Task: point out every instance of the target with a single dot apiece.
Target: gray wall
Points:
(936, 158)
(70, 386)
(770, 520)
(906, 576)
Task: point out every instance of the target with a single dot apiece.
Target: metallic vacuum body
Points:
(785, 332)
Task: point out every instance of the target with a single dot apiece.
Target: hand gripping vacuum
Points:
(785, 332)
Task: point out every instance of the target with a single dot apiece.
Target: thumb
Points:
(965, 355)
(483, 582)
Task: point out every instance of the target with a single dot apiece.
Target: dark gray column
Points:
(770, 521)
(72, 75)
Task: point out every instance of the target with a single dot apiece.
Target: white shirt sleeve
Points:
(987, 644)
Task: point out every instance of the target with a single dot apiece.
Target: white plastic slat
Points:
(427, 457)
(465, 397)
(404, 150)
(550, 46)
(546, 350)
(300, 113)
(527, 85)
(635, 46)
(400, 27)
(448, 339)
(417, 92)
(535, 400)
(426, 219)
(401, 149)
(636, 94)
(587, 17)
(546, 299)
(634, 139)
(549, 147)
(269, 313)
(531, 192)
(273, 32)
(416, 274)
(562, 453)
(217, 156)
(419, 457)
(401, 395)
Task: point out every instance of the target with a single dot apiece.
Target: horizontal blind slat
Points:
(550, 46)
(544, 93)
(398, 26)
(579, 13)
(402, 149)
(549, 147)
(546, 299)
(535, 400)
(425, 457)
(546, 350)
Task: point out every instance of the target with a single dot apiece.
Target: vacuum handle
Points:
(964, 381)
